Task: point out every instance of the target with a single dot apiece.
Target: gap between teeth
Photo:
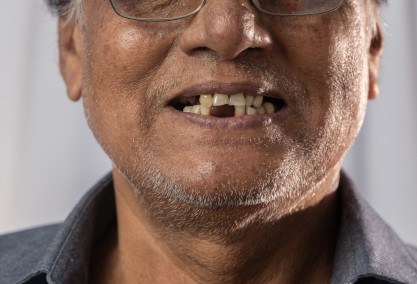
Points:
(243, 104)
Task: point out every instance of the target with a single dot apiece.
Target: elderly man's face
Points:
(131, 71)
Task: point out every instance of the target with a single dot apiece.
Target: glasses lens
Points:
(298, 7)
(155, 9)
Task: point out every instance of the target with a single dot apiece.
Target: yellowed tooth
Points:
(220, 99)
(237, 100)
(250, 111)
(239, 110)
(257, 101)
(196, 109)
(188, 109)
(205, 110)
(260, 110)
(206, 100)
(249, 100)
(269, 108)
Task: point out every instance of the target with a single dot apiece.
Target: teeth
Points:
(260, 110)
(205, 110)
(188, 109)
(249, 100)
(257, 102)
(240, 110)
(237, 100)
(196, 109)
(206, 100)
(222, 105)
(269, 108)
(250, 111)
(220, 100)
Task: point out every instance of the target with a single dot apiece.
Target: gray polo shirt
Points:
(368, 250)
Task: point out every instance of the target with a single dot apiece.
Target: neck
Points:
(266, 245)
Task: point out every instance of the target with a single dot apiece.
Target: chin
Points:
(221, 182)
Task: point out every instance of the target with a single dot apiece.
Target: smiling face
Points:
(131, 74)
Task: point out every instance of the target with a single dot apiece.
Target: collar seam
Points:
(78, 217)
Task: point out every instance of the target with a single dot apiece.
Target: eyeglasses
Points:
(169, 10)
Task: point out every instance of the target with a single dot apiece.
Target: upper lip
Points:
(228, 88)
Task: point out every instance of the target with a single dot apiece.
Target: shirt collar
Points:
(366, 245)
(69, 259)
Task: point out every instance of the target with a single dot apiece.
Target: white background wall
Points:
(48, 157)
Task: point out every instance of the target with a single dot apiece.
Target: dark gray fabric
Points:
(368, 251)
(22, 253)
(60, 253)
(367, 246)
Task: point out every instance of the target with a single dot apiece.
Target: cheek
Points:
(348, 72)
(328, 56)
(129, 56)
(117, 75)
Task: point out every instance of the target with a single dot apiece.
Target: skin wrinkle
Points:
(212, 186)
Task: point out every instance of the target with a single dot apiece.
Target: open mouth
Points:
(222, 105)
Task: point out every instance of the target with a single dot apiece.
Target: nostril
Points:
(226, 30)
(199, 50)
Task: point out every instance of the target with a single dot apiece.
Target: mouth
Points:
(223, 105)
(228, 106)
(224, 100)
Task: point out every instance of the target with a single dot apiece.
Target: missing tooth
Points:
(220, 105)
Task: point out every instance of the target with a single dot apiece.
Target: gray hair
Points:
(68, 9)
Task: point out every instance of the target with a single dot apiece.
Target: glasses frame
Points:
(203, 2)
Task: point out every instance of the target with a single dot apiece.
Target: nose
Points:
(227, 27)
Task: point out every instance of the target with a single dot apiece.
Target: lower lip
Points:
(229, 123)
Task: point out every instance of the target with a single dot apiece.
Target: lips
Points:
(228, 100)
(218, 105)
